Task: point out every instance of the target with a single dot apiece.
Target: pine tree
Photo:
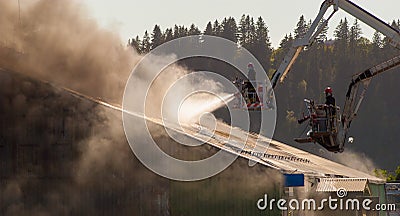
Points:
(216, 28)
(229, 29)
(247, 32)
(135, 43)
(180, 31)
(251, 33)
(183, 31)
(168, 35)
(301, 28)
(284, 46)
(354, 37)
(145, 45)
(342, 36)
(286, 41)
(395, 24)
(242, 30)
(194, 30)
(262, 46)
(156, 37)
(176, 32)
(323, 35)
(209, 30)
(342, 31)
(261, 28)
(355, 31)
(377, 41)
(398, 24)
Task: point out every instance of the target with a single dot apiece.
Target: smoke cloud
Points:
(62, 155)
(356, 160)
(57, 41)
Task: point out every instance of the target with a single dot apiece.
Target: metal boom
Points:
(392, 34)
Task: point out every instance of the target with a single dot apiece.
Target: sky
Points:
(131, 18)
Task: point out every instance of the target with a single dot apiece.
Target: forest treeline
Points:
(329, 62)
(253, 34)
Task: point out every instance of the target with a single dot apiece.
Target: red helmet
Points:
(328, 90)
(250, 65)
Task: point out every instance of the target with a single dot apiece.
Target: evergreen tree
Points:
(251, 33)
(242, 30)
(229, 29)
(209, 29)
(377, 41)
(216, 28)
(176, 31)
(246, 32)
(135, 43)
(262, 46)
(342, 31)
(286, 41)
(194, 30)
(301, 28)
(280, 53)
(354, 36)
(355, 31)
(396, 24)
(183, 31)
(342, 37)
(156, 37)
(261, 34)
(180, 31)
(145, 45)
(323, 35)
(168, 35)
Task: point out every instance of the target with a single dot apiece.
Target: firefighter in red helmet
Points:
(330, 103)
(330, 100)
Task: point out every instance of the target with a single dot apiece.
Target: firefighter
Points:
(252, 72)
(251, 84)
(330, 100)
(331, 106)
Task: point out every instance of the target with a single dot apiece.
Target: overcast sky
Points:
(132, 18)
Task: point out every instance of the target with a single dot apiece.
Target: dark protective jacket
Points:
(330, 100)
(252, 75)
